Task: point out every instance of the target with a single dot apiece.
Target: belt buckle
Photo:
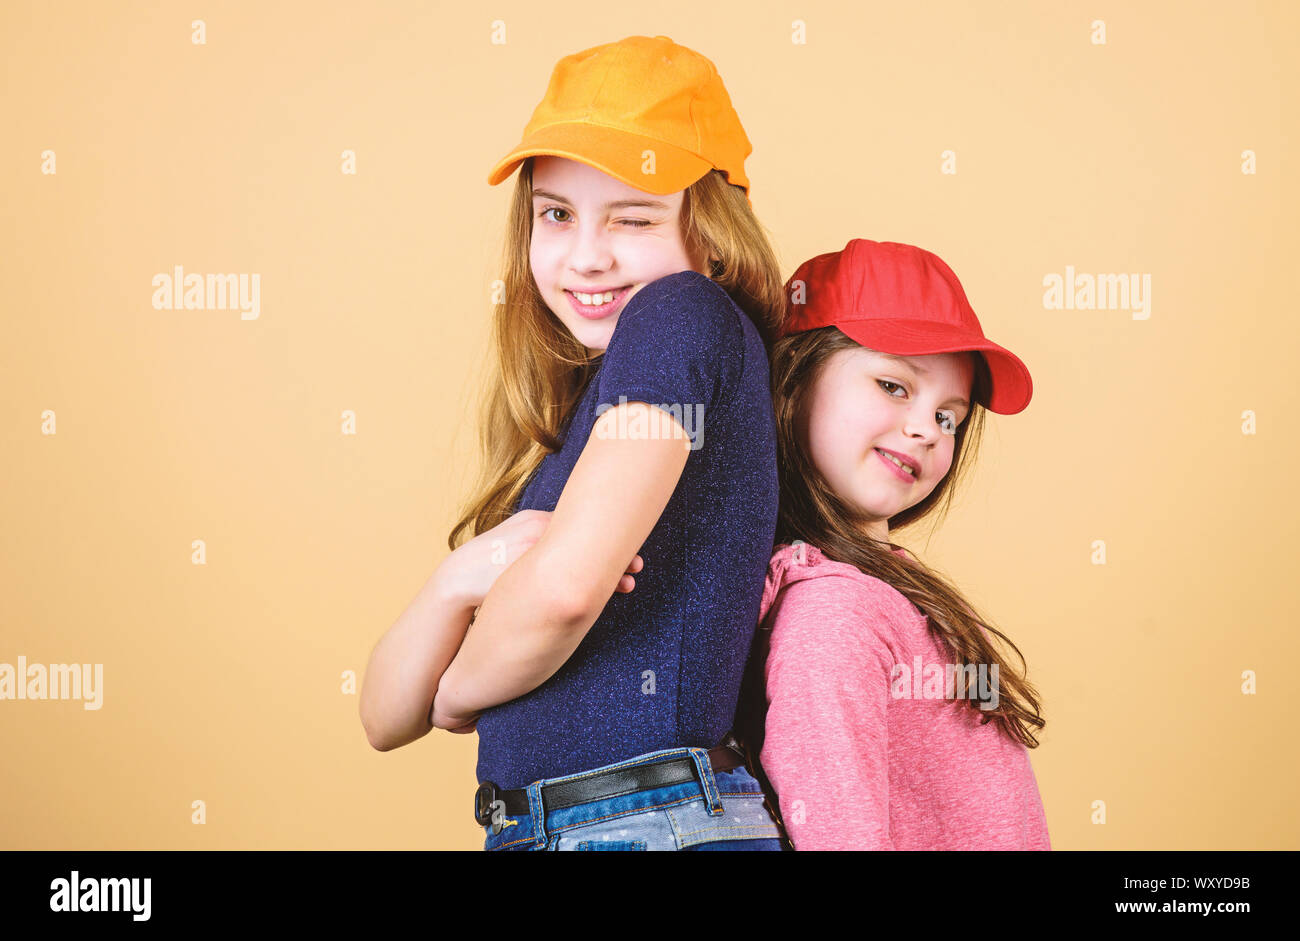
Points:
(484, 798)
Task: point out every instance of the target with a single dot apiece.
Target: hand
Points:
(475, 566)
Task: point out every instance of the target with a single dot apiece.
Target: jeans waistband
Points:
(537, 825)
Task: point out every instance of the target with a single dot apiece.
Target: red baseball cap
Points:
(900, 299)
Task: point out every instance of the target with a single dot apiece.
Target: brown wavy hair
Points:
(811, 511)
(540, 369)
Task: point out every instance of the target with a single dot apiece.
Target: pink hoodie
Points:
(857, 767)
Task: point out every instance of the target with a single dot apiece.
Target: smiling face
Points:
(862, 403)
(597, 241)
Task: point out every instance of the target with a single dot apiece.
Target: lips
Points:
(898, 471)
(597, 311)
(595, 292)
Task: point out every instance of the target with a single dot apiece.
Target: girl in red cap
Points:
(618, 551)
(882, 714)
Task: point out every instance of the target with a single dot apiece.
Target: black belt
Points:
(604, 784)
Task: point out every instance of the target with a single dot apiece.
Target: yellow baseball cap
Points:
(643, 110)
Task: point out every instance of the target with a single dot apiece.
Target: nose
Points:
(590, 250)
(922, 426)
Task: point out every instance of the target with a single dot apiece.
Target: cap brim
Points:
(616, 153)
(1012, 385)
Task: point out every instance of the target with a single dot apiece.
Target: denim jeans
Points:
(726, 813)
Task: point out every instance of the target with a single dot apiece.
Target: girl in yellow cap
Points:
(627, 509)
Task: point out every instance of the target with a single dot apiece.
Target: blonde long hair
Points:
(540, 369)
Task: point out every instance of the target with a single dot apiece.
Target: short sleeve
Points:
(677, 345)
(826, 740)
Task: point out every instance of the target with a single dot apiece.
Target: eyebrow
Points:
(916, 369)
(616, 204)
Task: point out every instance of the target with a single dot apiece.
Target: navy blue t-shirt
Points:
(661, 667)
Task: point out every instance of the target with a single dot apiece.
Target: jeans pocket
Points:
(744, 818)
(643, 830)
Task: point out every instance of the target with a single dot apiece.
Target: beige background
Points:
(222, 682)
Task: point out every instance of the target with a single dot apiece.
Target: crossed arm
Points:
(541, 607)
